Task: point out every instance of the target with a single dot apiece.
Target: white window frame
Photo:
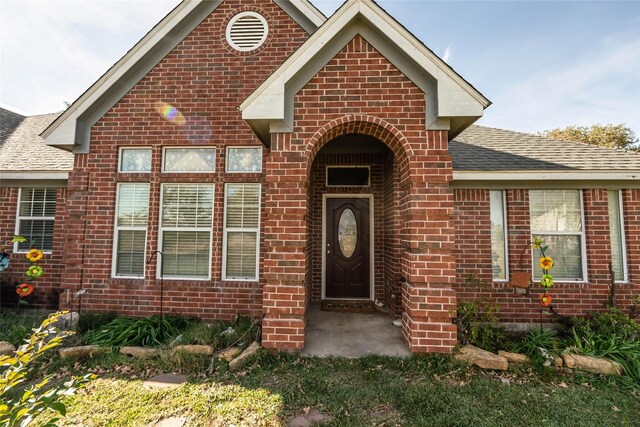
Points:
(623, 241)
(535, 262)
(506, 236)
(253, 147)
(189, 147)
(116, 236)
(132, 149)
(20, 218)
(162, 229)
(226, 230)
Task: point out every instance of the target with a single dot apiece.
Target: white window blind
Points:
(131, 229)
(498, 236)
(556, 218)
(35, 221)
(185, 223)
(616, 228)
(241, 231)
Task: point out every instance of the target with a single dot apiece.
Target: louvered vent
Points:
(247, 31)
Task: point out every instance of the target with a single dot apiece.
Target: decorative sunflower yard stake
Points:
(546, 264)
(34, 271)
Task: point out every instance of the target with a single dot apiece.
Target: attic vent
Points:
(247, 31)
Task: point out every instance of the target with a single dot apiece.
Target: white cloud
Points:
(448, 53)
(601, 86)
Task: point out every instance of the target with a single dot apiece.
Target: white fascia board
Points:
(633, 176)
(363, 17)
(73, 125)
(32, 175)
(304, 13)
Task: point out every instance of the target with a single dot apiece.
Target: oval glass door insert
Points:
(347, 233)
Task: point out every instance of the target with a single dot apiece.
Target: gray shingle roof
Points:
(25, 150)
(9, 121)
(481, 148)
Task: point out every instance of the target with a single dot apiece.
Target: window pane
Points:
(566, 252)
(241, 255)
(244, 159)
(186, 253)
(187, 205)
(617, 239)
(189, 159)
(243, 205)
(135, 160)
(133, 204)
(38, 231)
(555, 210)
(498, 250)
(130, 253)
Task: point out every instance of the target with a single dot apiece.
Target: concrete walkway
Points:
(352, 335)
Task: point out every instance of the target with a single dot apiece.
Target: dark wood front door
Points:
(348, 248)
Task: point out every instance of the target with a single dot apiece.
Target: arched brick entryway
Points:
(419, 253)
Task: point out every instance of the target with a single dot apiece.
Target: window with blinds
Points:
(557, 219)
(616, 228)
(35, 221)
(132, 215)
(186, 220)
(241, 231)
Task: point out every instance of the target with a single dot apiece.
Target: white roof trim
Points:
(453, 106)
(557, 175)
(31, 175)
(71, 130)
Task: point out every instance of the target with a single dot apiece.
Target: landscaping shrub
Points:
(92, 321)
(221, 334)
(16, 326)
(612, 335)
(123, 331)
(20, 406)
(540, 345)
(478, 325)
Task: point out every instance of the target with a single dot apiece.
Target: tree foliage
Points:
(610, 136)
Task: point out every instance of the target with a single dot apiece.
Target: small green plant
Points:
(146, 331)
(16, 326)
(221, 334)
(92, 321)
(478, 325)
(20, 407)
(542, 346)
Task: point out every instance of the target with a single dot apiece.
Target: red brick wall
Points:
(205, 80)
(48, 286)
(473, 252)
(359, 91)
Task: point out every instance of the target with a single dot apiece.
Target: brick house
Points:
(255, 158)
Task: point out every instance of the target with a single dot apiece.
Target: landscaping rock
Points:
(229, 354)
(557, 360)
(594, 365)
(140, 352)
(6, 348)
(82, 351)
(67, 322)
(205, 350)
(242, 360)
(309, 418)
(482, 358)
(514, 357)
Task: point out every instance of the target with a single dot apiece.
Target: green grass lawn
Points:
(375, 391)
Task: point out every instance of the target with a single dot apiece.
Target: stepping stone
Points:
(242, 360)
(482, 358)
(309, 418)
(171, 422)
(6, 348)
(165, 381)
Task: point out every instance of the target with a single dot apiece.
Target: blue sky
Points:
(543, 64)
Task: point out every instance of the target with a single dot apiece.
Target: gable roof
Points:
(482, 152)
(9, 121)
(71, 131)
(24, 155)
(451, 102)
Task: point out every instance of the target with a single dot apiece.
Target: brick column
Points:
(428, 263)
(284, 294)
